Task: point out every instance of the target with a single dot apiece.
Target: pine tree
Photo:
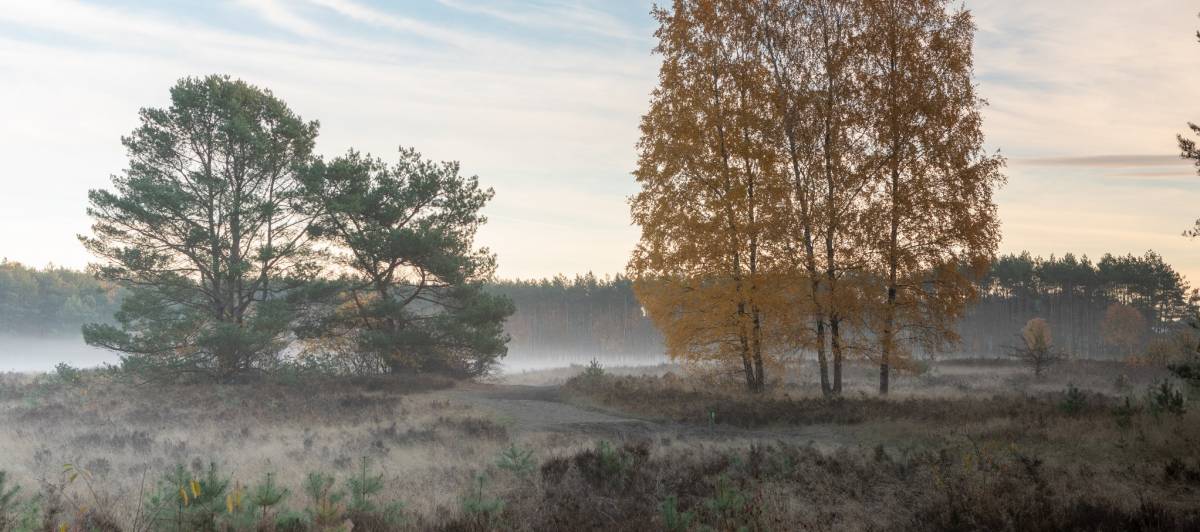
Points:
(199, 229)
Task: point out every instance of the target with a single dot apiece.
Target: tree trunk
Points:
(756, 336)
(823, 362)
(835, 342)
(747, 360)
(889, 334)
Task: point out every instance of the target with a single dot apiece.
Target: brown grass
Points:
(1004, 454)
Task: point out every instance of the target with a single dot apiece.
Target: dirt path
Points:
(528, 409)
(540, 408)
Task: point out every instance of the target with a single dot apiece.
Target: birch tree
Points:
(932, 218)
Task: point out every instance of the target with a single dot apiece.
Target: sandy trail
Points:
(531, 409)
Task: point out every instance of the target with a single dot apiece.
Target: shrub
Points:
(363, 487)
(268, 495)
(1164, 397)
(1037, 348)
(188, 502)
(729, 507)
(1073, 402)
(325, 509)
(518, 461)
(1188, 371)
(608, 466)
(593, 370)
(1123, 414)
(482, 510)
(673, 519)
(67, 374)
(1170, 348)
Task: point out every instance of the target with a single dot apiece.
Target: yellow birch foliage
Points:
(712, 198)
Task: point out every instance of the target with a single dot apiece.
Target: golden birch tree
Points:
(711, 196)
(833, 170)
(931, 214)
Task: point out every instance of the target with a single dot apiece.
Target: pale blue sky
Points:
(541, 99)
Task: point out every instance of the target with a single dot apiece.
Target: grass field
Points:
(968, 445)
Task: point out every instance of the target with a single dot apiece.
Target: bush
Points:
(363, 487)
(1167, 349)
(518, 461)
(67, 374)
(729, 508)
(1164, 397)
(593, 370)
(1123, 414)
(607, 466)
(673, 519)
(1073, 402)
(187, 501)
(268, 495)
(480, 509)
(325, 509)
(1036, 347)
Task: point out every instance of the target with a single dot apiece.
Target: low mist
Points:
(34, 353)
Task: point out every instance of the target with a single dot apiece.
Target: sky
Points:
(541, 99)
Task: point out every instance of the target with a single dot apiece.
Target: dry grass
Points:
(128, 436)
(966, 446)
(1083, 453)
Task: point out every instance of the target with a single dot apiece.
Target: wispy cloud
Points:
(1105, 161)
(551, 126)
(542, 99)
(279, 15)
(569, 16)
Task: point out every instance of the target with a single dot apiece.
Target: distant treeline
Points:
(52, 300)
(1072, 293)
(585, 314)
(590, 314)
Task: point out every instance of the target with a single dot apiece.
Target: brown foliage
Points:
(1123, 327)
(812, 175)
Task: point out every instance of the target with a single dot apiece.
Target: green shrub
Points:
(268, 495)
(325, 509)
(518, 461)
(728, 505)
(184, 501)
(291, 521)
(1123, 413)
(612, 461)
(1164, 397)
(1188, 371)
(484, 511)
(67, 374)
(363, 487)
(673, 519)
(1073, 402)
(593, 370)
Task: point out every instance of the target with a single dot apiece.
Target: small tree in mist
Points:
(1037, 347)
(1123, 327)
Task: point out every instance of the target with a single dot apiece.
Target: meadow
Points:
(967, 445)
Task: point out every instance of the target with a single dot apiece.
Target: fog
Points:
(33, 354)
(30, 354)
(519, 361)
